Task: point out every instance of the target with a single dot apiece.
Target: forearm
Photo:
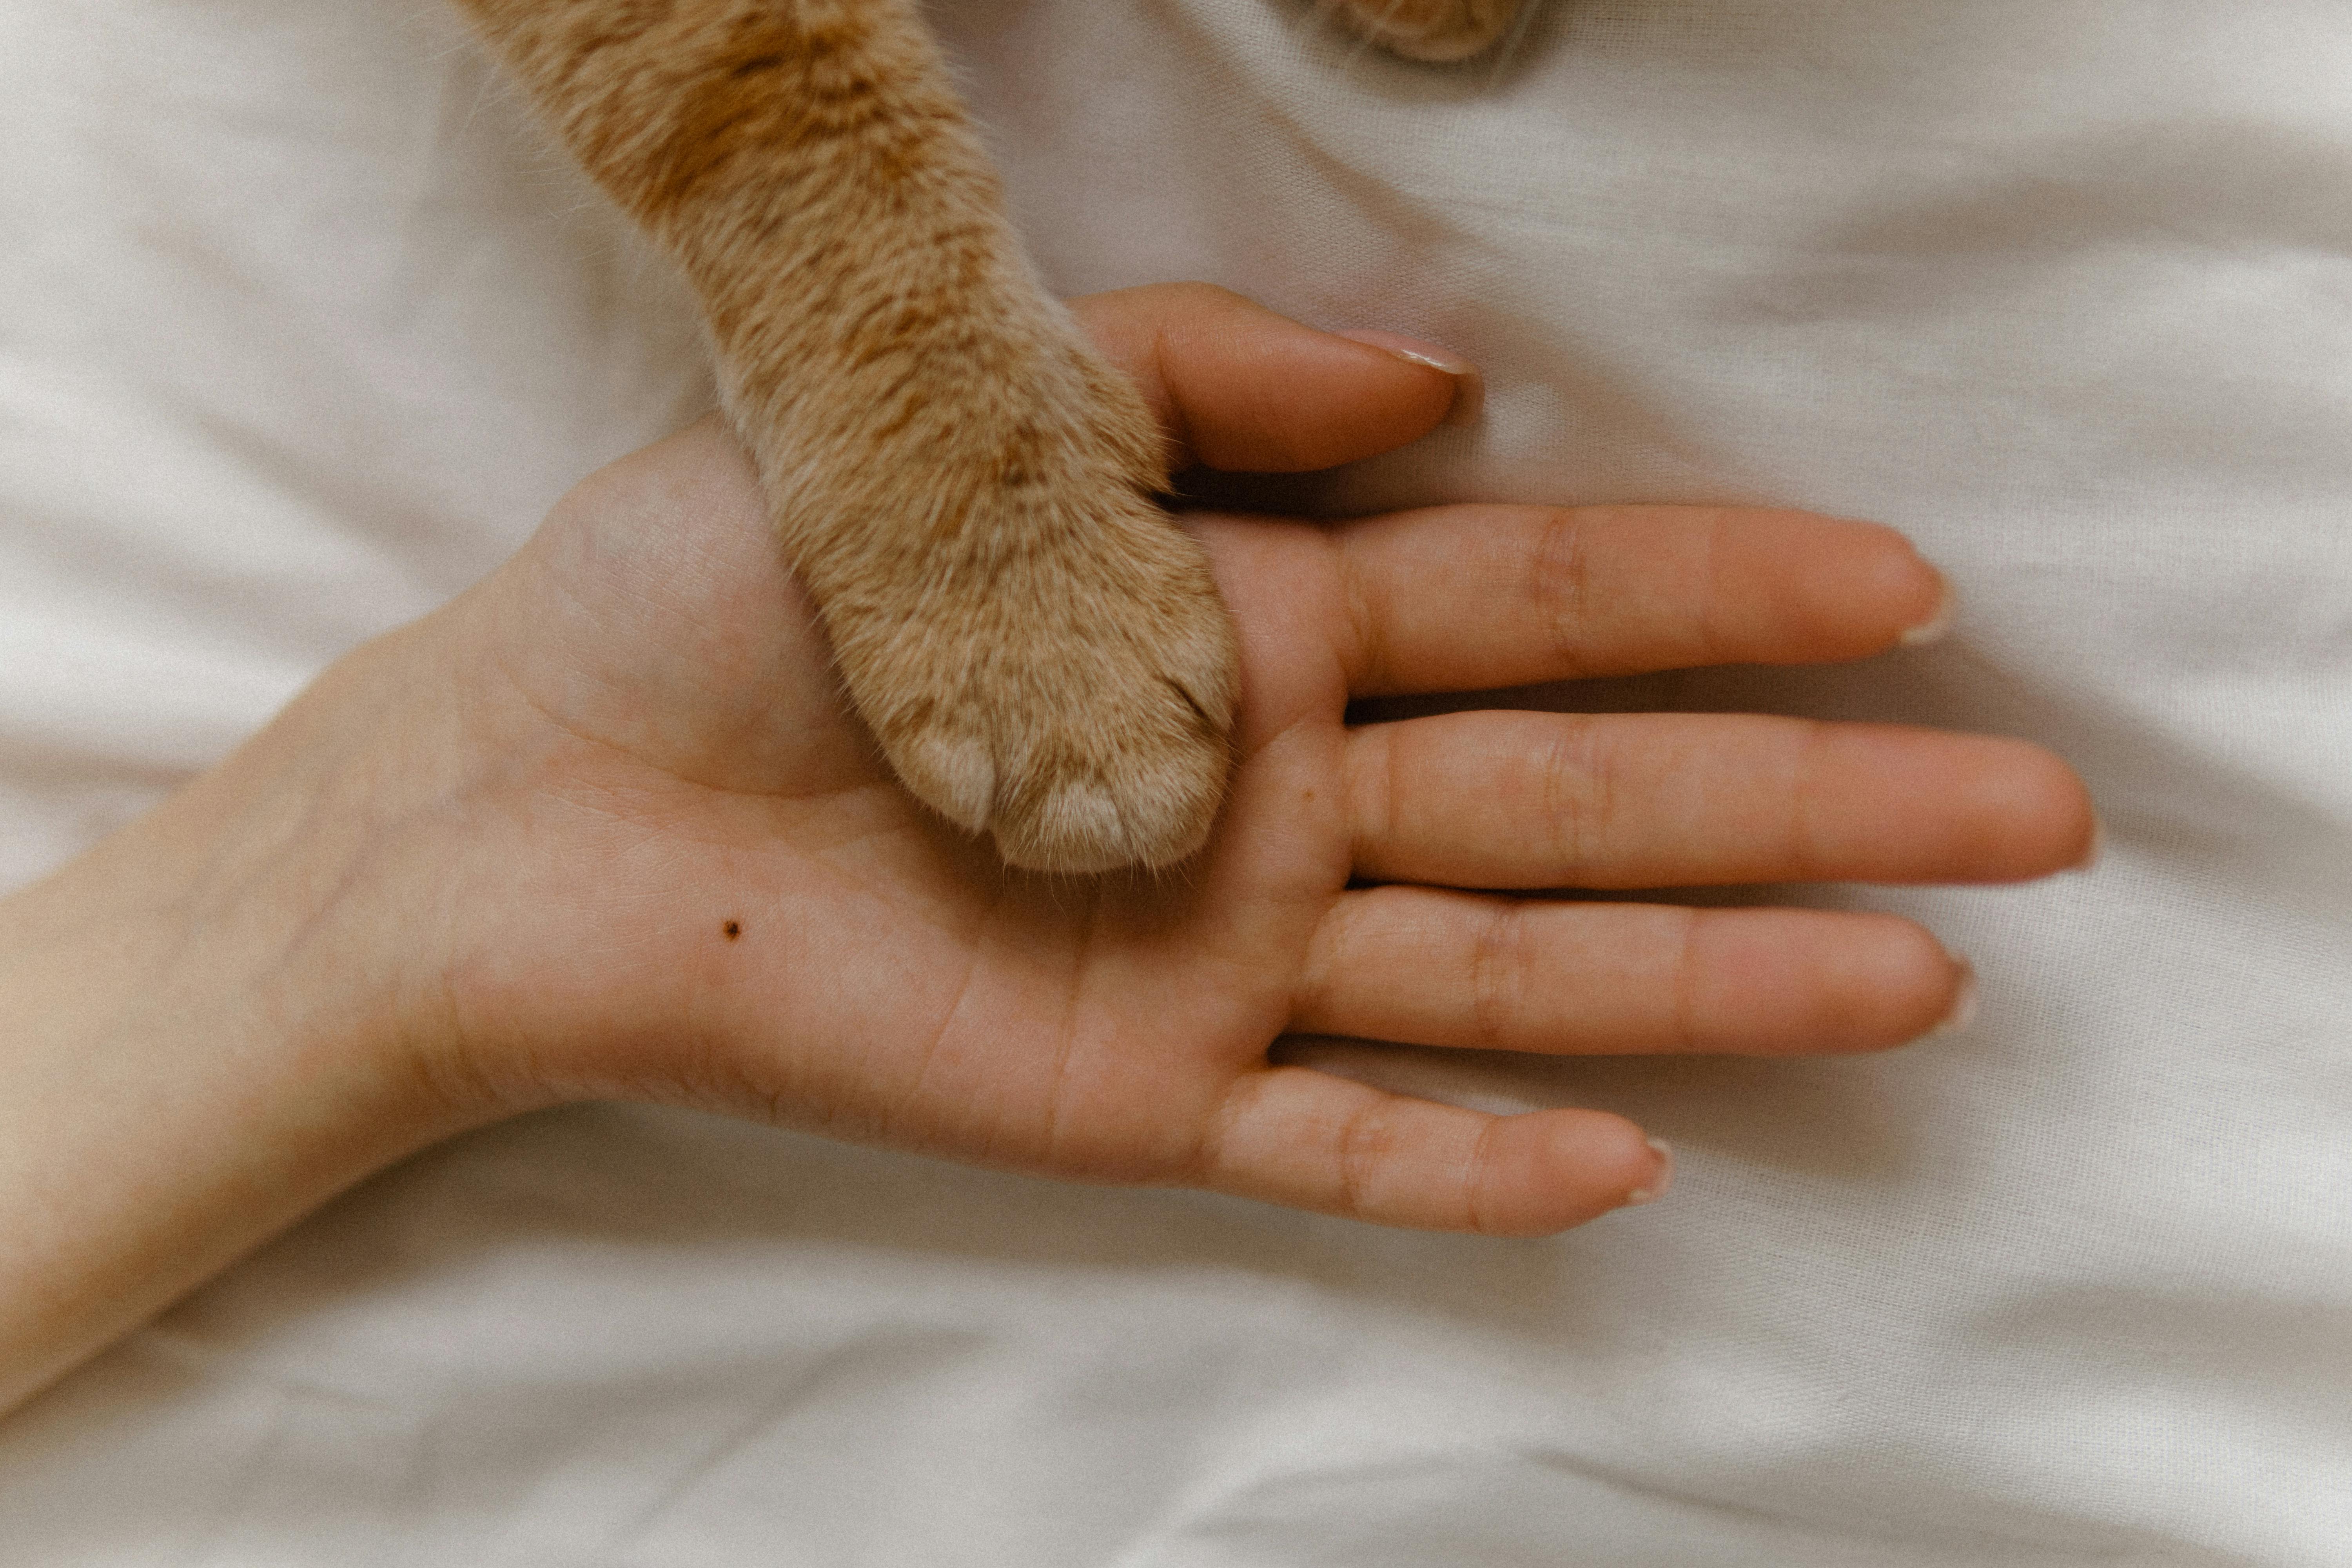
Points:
(203, 1040)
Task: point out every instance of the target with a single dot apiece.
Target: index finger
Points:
(1468, 598)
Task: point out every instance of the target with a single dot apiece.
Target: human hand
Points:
(703, 888)
(601, 827)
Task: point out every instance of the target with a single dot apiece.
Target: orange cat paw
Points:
(1080, 719)
(1038, 648)
(1431, 29)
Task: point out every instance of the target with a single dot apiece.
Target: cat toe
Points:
(1077, 752)
(1156, 810)
(955, 776)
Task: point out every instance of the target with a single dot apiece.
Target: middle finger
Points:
(1653, 800)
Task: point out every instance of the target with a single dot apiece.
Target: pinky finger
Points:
(1307, 1140)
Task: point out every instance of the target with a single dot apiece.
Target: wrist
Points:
(225, 1015)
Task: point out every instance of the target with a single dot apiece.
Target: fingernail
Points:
(2098, 848)
(1469, 386)
(1937, 626)
(1963, 1011)
(1653, 1189)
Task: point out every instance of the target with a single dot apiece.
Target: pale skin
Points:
(601, 828)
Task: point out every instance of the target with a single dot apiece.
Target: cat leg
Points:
(1430, 29)
(963, 484)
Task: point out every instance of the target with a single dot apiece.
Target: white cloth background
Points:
(301, 328)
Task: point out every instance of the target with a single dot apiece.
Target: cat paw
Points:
(1437, 30)
(1038, 648)
(1080, 719)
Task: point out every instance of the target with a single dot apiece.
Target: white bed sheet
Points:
(301, 328)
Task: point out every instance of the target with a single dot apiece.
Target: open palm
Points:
(690, 879)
